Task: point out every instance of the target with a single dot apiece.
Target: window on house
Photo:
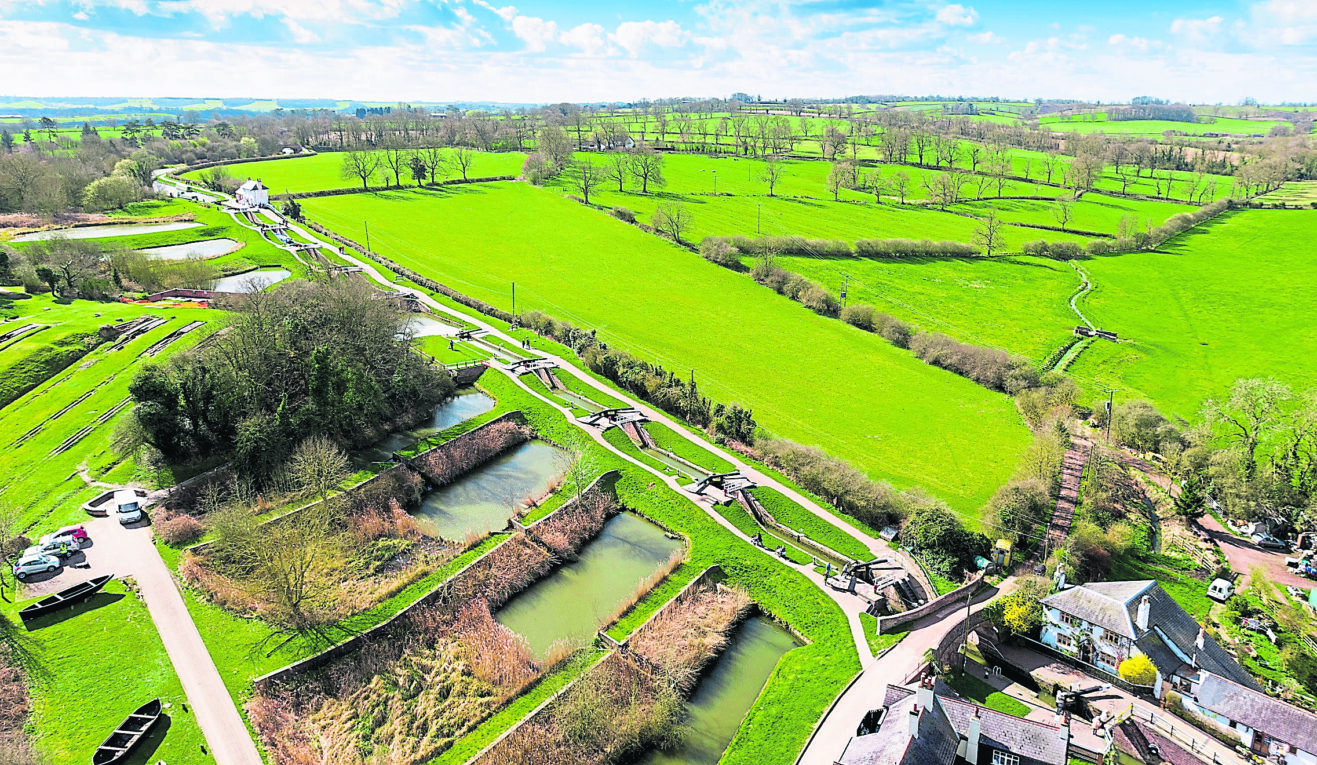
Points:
(1004, 758)
(1066, 642)
(1108, 659)
(1069, 620)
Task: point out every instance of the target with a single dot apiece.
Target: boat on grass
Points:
(64, 598)
(128, 735)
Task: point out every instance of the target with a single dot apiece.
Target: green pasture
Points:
(1091, 212)
(1097, 123)
(93, 665)
(1016, 303)
(807, 377)
(1294, 193)
(1230, 299)
(320, 172)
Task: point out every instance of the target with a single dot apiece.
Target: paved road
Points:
(130, 552)
(895, 666)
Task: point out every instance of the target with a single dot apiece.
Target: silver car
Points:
(35, 564)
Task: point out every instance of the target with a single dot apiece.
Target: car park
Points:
(35, 563)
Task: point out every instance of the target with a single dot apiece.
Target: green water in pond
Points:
(573, 602)
(483, 500)
(726, 693)
(461, 407)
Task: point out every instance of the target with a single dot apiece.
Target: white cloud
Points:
(535, 32)
(957, 15)
(1197, 31)
(301, 34)
(590, 39)
(985, 38)
(634, 36)
(507, 12)
(1141, 44)
(1288, 22)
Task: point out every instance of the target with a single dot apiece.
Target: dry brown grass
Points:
(571, 526)
(682, 638)
(450, 460)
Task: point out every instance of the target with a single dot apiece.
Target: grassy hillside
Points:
(807, 377)
(1230, 299)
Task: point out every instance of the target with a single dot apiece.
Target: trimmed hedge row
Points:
(837, 248)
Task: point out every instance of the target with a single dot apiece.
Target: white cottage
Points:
(253, 193)
(1104, 623)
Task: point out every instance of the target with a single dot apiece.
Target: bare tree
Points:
(647, 167)
(774, 169)
(617, 167)
(1254, 406)
(589, 176)
(318, 465)
(360, 164)
(1062, 212)
(435, 160)
(989, 234)
(394, 157)
(673, 219)
(463, 156)
(901, 184)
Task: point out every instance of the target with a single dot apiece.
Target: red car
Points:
(74, 535)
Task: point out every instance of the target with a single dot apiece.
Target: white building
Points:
(253, 193)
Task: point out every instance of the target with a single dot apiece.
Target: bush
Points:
(873, 503)
(818, 300)
(721, 252)
(622, 213)
(177, 528)
(858, 315)
(1138, 669)
(893, 330)
(910, 248)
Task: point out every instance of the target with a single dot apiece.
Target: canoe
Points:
(128, 735)
(65, 597)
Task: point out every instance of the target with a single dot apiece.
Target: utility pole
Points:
(367, 225)
(1111, 397)
(845, 279)
(759, 217)
(514, 302)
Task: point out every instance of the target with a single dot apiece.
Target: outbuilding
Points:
(253, 193)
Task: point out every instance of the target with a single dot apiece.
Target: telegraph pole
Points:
(367, 225)
(759, 217)
(1111, 397)
(514, 302)
(845, 279)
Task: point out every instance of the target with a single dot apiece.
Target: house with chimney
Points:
(930, 726)
(1102, 624)
(1269, 727)
(253, 193)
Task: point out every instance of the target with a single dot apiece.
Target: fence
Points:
(1199, 745)
(1090, 669)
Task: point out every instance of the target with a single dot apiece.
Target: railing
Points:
(1199, 745)
(1092, 669)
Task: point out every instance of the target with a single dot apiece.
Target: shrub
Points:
(721, 252)
(893, 330)
(1138, 669)
(859, 315)
(1058, 250)
(907, 248)
(622, 213)
(177, 528)
(819, 300)
(874, 503)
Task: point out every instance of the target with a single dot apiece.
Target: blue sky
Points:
(539, 51)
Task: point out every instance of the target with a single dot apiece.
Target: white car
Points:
(35, 564)
(127, 506)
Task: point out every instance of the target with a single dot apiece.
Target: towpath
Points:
(129, 552)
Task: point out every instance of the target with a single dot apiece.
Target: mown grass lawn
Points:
(809, 378)
(983, 694)
(1230, 299)
(1016, 303)
(99, 661)
(319, 172)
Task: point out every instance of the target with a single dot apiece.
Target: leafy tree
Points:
(1138, 669)
(947, 546)
(646, 166)
(1253, 408)
(48, 277)
(1192, 498)
(7, 141)
(1018, 613)
(112, 192)
(416, 165)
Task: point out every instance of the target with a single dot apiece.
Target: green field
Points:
(1092, 212)
(319, 172)
(1232, 298)
(807, 377)
(1015, 303)
(95, 664)
(1097, 123)
(1294, 193)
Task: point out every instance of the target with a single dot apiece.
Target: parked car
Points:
(75, 535)
(127, 507)
(60, 548)
(1268, 542)
(1220, 589)
(37, 563)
